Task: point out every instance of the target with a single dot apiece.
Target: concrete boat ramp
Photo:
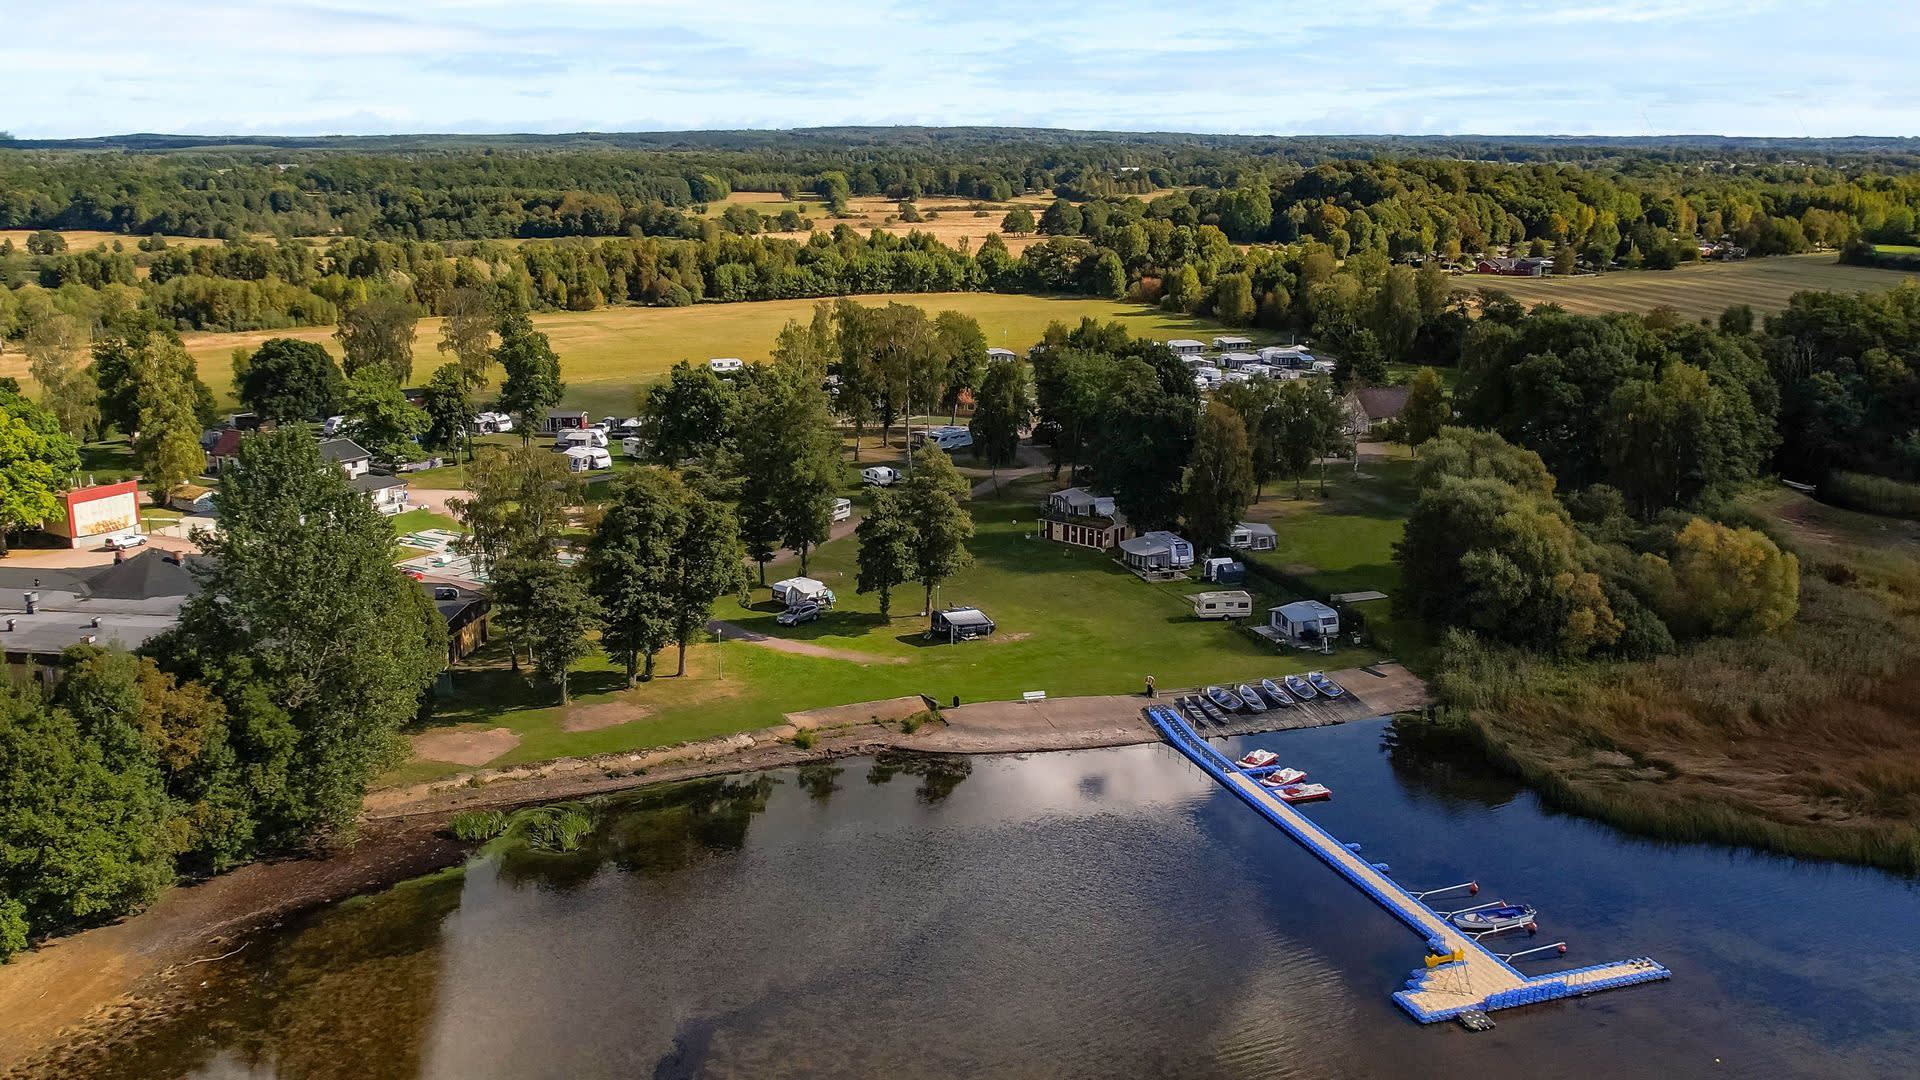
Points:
(1462, 976)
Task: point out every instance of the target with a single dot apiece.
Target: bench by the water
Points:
(1461, 974)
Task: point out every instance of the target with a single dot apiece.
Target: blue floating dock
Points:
(1461, 975)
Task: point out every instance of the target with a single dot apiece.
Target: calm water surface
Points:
(1101, 914)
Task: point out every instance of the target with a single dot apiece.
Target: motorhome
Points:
(946, 437)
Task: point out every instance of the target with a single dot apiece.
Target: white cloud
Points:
(94, 67)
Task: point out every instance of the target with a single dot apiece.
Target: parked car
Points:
(332, 425)
(125, 540)
(794, 616)
(880, 476)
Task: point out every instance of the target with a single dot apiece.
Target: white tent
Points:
(800, 590)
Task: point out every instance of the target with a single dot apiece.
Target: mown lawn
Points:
(1070, 622)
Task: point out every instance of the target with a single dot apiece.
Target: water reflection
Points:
(939, 774)
(1097, 914)
(1431, 760)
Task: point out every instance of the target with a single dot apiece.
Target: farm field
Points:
(1701, 290)
(605, 354)
(1071, 622)
(87, 239)
(957, 221)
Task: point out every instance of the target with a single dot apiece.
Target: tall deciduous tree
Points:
(467, 334)
(1003, 410)
(1219, 483)
(690, 414)
(307, 631)
(1018, 221)
(54, 346)
(286, 380)
(555, 612)
(168, 447)
(378, 333)
(381, 419)
(886, 557)
(532, 384)
(941, 525)
(1426, 410)
(629, 566)
(36, 460)
(706, 565)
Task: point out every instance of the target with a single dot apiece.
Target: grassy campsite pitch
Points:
(1071, 622)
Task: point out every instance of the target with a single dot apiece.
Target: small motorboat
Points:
(1251, 698)
(1223, 697)
(1294, 793)
(1299, 687)
(1258, 759)
(1494, 919)
(1275, 693)
(1283, 778)
(1326, 686)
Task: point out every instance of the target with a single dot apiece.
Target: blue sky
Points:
(1632, 67)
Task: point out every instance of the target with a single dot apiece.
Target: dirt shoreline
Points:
(73, 985)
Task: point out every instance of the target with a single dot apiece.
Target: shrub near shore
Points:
(1802, 743)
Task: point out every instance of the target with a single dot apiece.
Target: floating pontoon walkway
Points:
(1462, 975)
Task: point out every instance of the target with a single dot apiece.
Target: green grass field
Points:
(605, 355)
(1701, 290)
(1070, 622)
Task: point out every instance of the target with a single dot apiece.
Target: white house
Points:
(1232, 343)
(1184, 347)
(997, 355)
(1157, 552)
(1252, 536)
(352, 458)
(1233, 361)
(387, 493)
(1304, 620)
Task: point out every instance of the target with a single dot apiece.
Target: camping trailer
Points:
(794, 591)
(1229, 604)
(588, 459)
(725, 365)
(842, 509)
(587, 437)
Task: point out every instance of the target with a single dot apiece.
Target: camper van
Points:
(725, 365)
(632, 446)
(588, 459)
(946, 437)
(842, 509)
(1231, 604)
(582, 437)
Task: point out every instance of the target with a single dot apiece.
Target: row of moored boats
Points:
(1291, 690)
(1287, 784)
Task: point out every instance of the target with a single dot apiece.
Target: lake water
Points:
(1094, 914)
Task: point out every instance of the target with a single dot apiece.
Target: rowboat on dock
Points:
(1283, 778)
(1299, 793)
(1250, 698)
(1491, 920)
(1299, 687)
(1326, 686)
(1223, 697)
(1275, 693)
(1257, 759)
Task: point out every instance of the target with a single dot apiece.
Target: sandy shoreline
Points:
(56, 993)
